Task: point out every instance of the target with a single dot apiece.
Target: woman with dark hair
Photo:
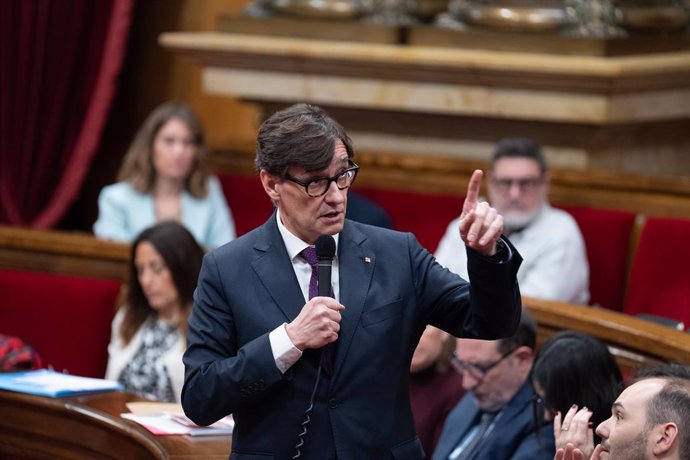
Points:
(164, 176)
(148, 332)
(557, 377)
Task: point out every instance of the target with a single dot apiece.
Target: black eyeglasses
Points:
(319, 186)
(525, 185)
(477, 371)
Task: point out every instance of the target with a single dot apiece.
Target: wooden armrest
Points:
(633, 341)
(63, 253)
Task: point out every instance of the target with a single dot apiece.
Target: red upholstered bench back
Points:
(606, 232)
(660, 276)
(65, 318)
(427, 215)
(247, 199)
(607, 236)
(424, 214)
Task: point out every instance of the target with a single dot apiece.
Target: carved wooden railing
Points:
(90, 427)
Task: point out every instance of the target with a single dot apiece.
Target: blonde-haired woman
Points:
(164, 177)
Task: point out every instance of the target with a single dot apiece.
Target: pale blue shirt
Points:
(469, 438)
(123, 213)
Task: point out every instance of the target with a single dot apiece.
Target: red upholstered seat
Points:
(426, 215)
(659, 281)
(247, 199)
(607, 236)
(606, 232)
(65, 318)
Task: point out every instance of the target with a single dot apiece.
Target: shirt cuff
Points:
(285, 353)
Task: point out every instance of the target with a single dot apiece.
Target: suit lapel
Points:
(466, 415)
(356, 265)
(508, 420)
(516, 406)
(273, 267)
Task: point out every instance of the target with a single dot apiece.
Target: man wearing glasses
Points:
(494, 420)
(555, 265)
(317, 376)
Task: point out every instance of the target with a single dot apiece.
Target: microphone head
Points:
(325, 247)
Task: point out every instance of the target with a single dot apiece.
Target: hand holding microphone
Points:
(318, 323)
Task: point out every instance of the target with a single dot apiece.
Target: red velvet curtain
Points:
(59, 60)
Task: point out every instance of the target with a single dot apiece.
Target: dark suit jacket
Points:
(512, 438)
(391, 288)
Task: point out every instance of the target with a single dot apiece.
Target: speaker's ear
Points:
(270, 184)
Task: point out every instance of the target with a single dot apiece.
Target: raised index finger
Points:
(473, 191)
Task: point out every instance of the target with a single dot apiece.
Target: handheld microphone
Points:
(325, 251)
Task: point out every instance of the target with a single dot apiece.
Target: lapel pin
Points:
(367, 260)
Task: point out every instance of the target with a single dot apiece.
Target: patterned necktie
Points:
(309, 254)
(472, 445)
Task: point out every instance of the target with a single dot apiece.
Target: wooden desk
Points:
(89, 427)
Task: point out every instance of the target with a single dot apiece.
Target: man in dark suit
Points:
(319, 377)
(495, 420)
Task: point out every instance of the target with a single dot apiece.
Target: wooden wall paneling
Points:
(647, 195)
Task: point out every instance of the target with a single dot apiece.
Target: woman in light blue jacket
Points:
(164, 177)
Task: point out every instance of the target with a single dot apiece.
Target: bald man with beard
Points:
(649, 421)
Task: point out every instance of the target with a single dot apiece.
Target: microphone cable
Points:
(325, 251)
(307, 419)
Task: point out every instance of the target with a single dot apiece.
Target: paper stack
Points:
(167, 418)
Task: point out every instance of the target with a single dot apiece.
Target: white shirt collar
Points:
(293, 244)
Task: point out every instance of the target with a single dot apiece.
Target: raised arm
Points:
(480, 224)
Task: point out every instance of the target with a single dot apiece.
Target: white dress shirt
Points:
(284, 351)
